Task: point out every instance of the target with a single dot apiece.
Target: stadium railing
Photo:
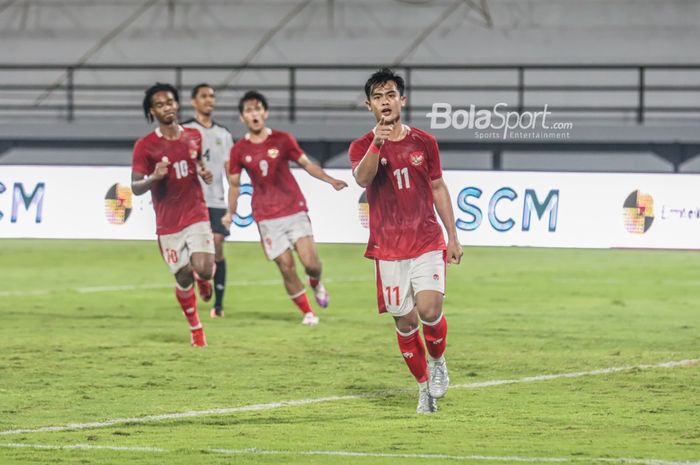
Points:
(317, 91)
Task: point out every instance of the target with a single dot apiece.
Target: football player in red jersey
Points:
(279, 207)
(167, 162)
(400, 168)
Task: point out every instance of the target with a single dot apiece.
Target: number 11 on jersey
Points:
(398, 173)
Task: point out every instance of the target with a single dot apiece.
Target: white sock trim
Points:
(433, 323)
(303, 291)
(195, 328)
(410, 333)
(184, 288)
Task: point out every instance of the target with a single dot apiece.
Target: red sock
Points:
(188, 302)
(314, 282)
(413, 353)
(302, 302)
(436, 336)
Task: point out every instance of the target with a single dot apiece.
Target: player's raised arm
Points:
(140, 184)
(319, 173)
(366, 170)
(443, 205)
(234, 182)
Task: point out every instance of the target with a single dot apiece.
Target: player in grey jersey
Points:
(216, 145)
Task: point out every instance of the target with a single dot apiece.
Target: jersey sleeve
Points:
(140, 162)
(434, 165)
(195, 138)
(234, 161)
(357, 152)
(293, 151)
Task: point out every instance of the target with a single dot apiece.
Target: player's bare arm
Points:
(319, 173)
(367, 169)
(443, 205)
(140, 184)
(204, 172)
(234, 182)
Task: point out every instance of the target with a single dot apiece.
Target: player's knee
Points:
(406, 323)
(204, 270)
(184, 279)
(313, 269)
(430, 312)
(406, 327)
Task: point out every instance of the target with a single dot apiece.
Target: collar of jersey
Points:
(267, 130)
(159, 133)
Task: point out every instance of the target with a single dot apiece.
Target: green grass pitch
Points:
(74, 351)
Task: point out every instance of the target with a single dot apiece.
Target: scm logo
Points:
(500, 222)
(22, 200)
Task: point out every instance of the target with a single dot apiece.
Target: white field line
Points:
(13, 445)
(136, 287)
(318, 400)
(469, 458)
(340, 453)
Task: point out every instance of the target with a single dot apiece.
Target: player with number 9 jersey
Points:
(279, 207)
(275, 191)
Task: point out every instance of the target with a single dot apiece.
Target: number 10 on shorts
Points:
(389, 290)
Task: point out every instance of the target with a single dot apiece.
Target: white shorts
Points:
(177, 248)
(398, 281)
(279, 234)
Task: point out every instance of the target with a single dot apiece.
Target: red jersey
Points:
(402, 222)
(275, 191)
(177, 198)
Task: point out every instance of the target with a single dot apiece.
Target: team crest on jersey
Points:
(219, 141)
(273, 153)
(383, 161)
(248, 158)
(416, 158)
(193, 154)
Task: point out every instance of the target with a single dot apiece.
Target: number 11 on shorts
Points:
(388, 290)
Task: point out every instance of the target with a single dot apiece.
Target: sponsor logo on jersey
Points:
(383, 161)
(273, 153)
(219, 141)
(436, 277)
(193, 154)
(416, 158)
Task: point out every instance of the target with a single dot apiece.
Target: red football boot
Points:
(198, 339)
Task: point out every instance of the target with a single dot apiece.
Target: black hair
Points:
(151, 91)
(252, 95)
(381, 77)
(195, 89)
